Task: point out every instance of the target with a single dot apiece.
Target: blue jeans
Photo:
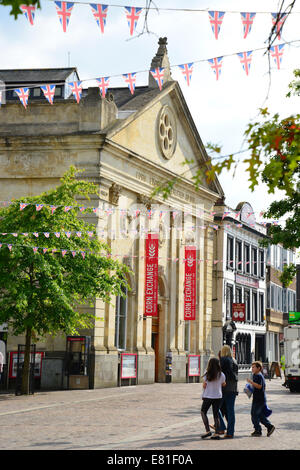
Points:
(229, 401)
(258, 417)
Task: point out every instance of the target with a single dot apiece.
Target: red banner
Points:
(238, 312)
(190, 283)
(151, 275)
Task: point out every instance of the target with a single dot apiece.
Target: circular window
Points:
(167, 135)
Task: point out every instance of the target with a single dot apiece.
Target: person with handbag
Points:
(230, 368)
(259, 409)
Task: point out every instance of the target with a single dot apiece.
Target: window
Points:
(120, 323)
(238, 255)
(238, 295)
(187, 329)
(254, 307)
(261, 263)
(246, 258)
(284, 300)
(254, 261)
(247, 304)
(261, 308)
(230, 252)
(268, 297)
(229, 300)
(279, 299)
(57, 91)
(272, 303)
(36, 92)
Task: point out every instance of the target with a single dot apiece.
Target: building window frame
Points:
(246, 258)
(230, 253)
(121, 321)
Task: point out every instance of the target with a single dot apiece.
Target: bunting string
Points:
(186, 69)
(83, 253)
(150, 213)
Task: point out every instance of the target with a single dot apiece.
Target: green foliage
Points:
(41, 292)
(288, 275)
(15, 5)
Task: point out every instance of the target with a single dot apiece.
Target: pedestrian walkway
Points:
(145, 417)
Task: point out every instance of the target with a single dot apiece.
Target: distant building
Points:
(240, 277)
(280, 300)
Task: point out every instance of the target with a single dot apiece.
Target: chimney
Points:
(161, 59)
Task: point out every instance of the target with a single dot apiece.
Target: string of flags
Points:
(84, 253)
(136, 212)
(186, 70)
(132, 15)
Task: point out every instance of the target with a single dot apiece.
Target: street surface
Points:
(146, 417)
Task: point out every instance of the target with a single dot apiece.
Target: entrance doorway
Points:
(155, 340)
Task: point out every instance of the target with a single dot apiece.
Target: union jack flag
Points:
(103, 84)
(23, 94)
(276, 53)
(245, 58)
(216, 18)
(130, 79)
(64, 10)
(216, 65)
(278, 19)
(76, 88)
(29, 12)
(132, 15)
(186, 70)
(247, 20)
(48, 91)
(100, 13)
(158, 75)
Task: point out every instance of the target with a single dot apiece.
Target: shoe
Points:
(228, 436)
(219, 432)
(270, 430)
(215, 436)
(207, 434)
(256, 434)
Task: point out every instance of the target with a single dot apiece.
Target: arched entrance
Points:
(159, 331)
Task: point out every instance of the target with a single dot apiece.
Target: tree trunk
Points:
(26, 366)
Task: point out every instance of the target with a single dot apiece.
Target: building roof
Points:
(36, 75)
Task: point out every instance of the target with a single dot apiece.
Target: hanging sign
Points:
(190, 283)
(151, 275)
(238, 312)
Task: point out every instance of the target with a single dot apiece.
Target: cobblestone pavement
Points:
(145, 417)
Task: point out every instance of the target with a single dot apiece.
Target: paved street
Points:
(146, 417)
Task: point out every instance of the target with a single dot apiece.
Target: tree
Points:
(15, 5)
(42, 287)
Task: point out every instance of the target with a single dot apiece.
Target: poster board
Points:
(193, 365)
(13, 362)
(128, 366)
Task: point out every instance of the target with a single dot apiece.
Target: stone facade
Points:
(127, 145)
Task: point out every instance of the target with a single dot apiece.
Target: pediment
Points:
(162, 131)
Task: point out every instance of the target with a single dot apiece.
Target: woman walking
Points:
(214, 379)
(230, 368)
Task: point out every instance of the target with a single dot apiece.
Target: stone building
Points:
(128, 145)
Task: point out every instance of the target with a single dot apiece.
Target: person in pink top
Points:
(214, 380)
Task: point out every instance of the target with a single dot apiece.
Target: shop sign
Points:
(238, 312)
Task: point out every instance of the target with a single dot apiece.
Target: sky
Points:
(220, 108)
